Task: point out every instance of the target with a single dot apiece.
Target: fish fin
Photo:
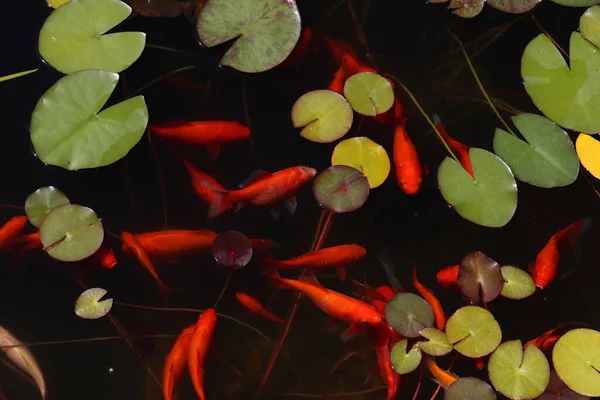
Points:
(291, 204)
(350, 333)
(479, 363)
(369, 380)
(341, 271)
(311, 280)
(268, 265)
(383, 255)
(238, 206)
(437, 382)
(166, 291)
(275, 280)
(220, 201)
(213, 152)
(274, 214)
(254, 176)
(331, 325)
(572, 234)
(436, 120)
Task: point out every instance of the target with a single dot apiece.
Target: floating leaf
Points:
(408, 314)
(41, 202)
(589, 25)
(72, 38)
(588, 151)
(369, 93)
(266, 31)
(519, 374)
(71, 233)
(405, 362)
(341, 189)
(56, 3)
(366, 156)
(489, 200)
(437, 345)
(325, 115)
(576, 3)
(466, 8)
(232, 249)
(547, 159)
(479, 275)
(88, 305)
(576, 358)
(67, 130)
(470, 389)
(518, 284)
(473, 331)
(513, 6)
(557, 390)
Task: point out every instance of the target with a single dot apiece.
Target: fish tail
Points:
(166, 291)
(569, 237)
(220, 201)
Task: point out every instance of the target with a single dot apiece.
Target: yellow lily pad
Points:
(364, 155)
(518, 284)
(474, 331)
(588, 151)
(56, 3)
(576, 358)
(369, 93)
(438, 344)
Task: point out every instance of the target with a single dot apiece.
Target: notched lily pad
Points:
(589, 24)
(437, 345)
(403, 360)
(408, 314)
(41, 202)
(470, 389)
(466, 8)
(89, 306)
(513, 6)
(473, 331)
(518, 284)
(341, 189)
(588, 151)
(576, 3)
(576, 359)
(369, 93)
(364, 155)
(480, 277)
(232, 249)
(557, 390)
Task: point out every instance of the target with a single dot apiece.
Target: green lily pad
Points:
(408, 314)
(473, 331)
(341, 189)
(72, 38)
(437, 345)
(577, 3)
(548, 158)
(369, 93)
(589, 25)
(518, 284)
(513, 6)
(41, 202)
(569, 97)
(266, 31)
(479, 277)
(470, 389)
(466, 8)
(71, 233)
(576, 358)
(88, 305)
(67, 130)
(557, 390)
(366, 156)
(403, 361)
(519, 374)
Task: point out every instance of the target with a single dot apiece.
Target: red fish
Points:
(301, 48)
(389, 376)
(199, 348)
(201, 189)
(436, 306)
(338, 49)
(256, 307)
(105, 257)
(441, 376)
(392, 115)
(12, 228)
(461, 149)
(23, 243)
(448, 277)
(541, 340)
(409, 172)
(176, 361)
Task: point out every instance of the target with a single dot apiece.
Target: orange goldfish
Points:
(199, 348)
(448, 277)
(540, 341)
(382, 348)
(461, 149)
(409, 172)
(176, 361)
(254, 305)
(436, 306)
(441, 376)
(12, 228)
(23, 243)
(198, 177)
(105, 257)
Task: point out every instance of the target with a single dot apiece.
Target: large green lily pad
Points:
(470, 389)
(369, 93)
(513, 6)
(437, 345)
(266, 31)
(72, 38)
(403, 360)
(473, 331)
(67, 130)
(589, 25)
(576, 358)
(577, 3)
(489, 200)
(408, 314)
(518, 284)
(41, 202)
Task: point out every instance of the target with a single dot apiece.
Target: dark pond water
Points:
(408, 39)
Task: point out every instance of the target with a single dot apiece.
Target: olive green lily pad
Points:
(369, 93)
(489, 200)
(67, 130)
(589, 25)
(518, 284)
(41, 202)
(569, 97)
(266, 31)
(470, 389)
(408, 314)
(577, 3)
(479, 277)
(72, 38)
(89, 306)
(519, 374)
(473, 331)
(403, 361)
(576, 358)
(71, 233)
(341, 189)
(513, 6)
(437, 345)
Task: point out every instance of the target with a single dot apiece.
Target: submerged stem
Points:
(224, 288)
(160, 78)
(95, 339)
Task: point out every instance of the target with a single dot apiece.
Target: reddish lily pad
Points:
(232, 249)
(341, 189)
(513, 6)
(466, 8)
(480, 277)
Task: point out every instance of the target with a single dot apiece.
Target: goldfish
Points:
(441, 376)
(254, 305)
(409, 172)
(436, 306)
(105, 257)
(199, 181)
(176, 361)
(199, 345)
(448, 277)
(461, 149)
(338, 49)
(540, 341)
(392, 115)
(389, 376)
(301, 48)
(23, 243)
(12, 228)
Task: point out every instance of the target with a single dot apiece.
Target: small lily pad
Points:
(470, 389)
(341, 189)
(473, 331)
(369, 93)
(513, 6)
(480, 277)
(466, 8)
(403, 361)
(56, 3)
(589, 24)
(71, 233)
(366, 156)
(41, 202)
(88, 305)
(588, 151)
(518, 284)
(576, 358)
(576, 3)
(408, 314)
(437, 345)
(324, 115)
(232, 249)
(519, 374)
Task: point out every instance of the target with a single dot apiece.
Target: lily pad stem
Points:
(17, 75)
(541, 28)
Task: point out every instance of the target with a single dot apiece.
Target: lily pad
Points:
(513, 6)
(366, 156)
(266, 31)
(466, 8)
(41, 202)
(479, 277)
(569, 97)
(369, 93)
(341, 189)
(324, 115)
(489, 200)
(576, 3)
(437, 345)
(232, 249)
(557, 390)
(518, 284)
(408, 314)
(519, 374)
(588, 151)
(71, 233)
(473, 331)
(56, 3)
(589, 24)
(403, 361)
(547, 159)
(88, 305)
(470, 389)
(67, 130)
(72, 38)
(576, 358)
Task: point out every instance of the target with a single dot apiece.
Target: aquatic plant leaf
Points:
(56, 3)
(577, 3)
(473, 331)
(17, 75)
(41, 202)
(437, 345)
(369, 93)
(157, 8)
(67, 130)
(576, 359)
(266, 31)
(408, 314)
(71, 232)
(466, 8)
(569, 97)
(513, 6)
(489, 200)
(588, 151)
(518, 284)
(324, 115)
(341, 189)
(479, 277)
(470, 389)
(558, 390)
(232, 249)
(403, 361)
(366, 156)
(519, 374)
(547, 159)
(589, 25)
(89, 306)
(72, 38)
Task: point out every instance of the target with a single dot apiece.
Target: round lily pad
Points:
(518, 284)
(403, 361)
(41, 202)
(473, 331)
(466, 8)
(408, 314)
(72, 38)
(470, 389)
(576, 3)
(513, 6)
(67, 130)
(589, 24)
(323, 115)
(89, 306)
(519, 374)
(480, 277)
(71, 233)
(369, 93)
(366, 156)
(576, 358)
(266, 31)
(557, 390)
(56, 3)
(232, 249)
(437, 345)
(341, 189)
(588, 151)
